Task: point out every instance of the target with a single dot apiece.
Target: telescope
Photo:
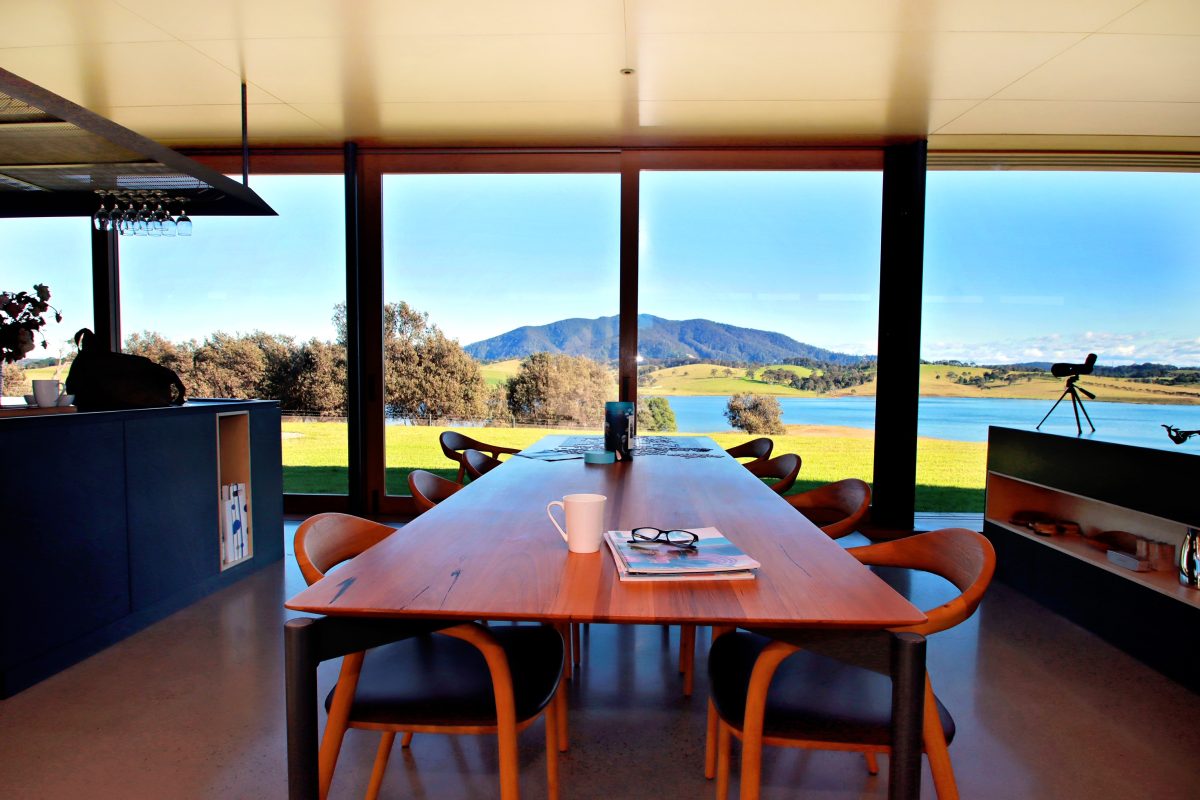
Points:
(1072, 372)
(1063, 370)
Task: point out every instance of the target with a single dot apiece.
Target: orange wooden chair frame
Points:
(428, 489)
(478, 464)
(963, 557)
(454, 443)
(757, 449)
(850, 498)
(326, 540)
(783, 468)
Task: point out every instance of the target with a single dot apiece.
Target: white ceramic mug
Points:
(46, 393)
(585, 521)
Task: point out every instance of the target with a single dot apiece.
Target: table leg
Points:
(908, 703)
(300, 664)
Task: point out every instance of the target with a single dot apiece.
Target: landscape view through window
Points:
(757, 290)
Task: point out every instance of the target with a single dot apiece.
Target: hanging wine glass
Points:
(100, 218)
(183, 224)
(166, 225)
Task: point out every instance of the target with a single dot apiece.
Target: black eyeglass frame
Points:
(642, 534)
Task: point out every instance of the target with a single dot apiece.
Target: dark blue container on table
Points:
(620, 426)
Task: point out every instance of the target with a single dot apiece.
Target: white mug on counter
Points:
(585, 521)
(46, 392)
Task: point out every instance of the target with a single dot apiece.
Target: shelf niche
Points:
(233, 468)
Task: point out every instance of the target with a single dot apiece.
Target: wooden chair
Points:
(454, 443)
(783, 469)
(460, 679)
(478, 464)
(757, 449)
(835, 508)
(429, 489)
(825, 703)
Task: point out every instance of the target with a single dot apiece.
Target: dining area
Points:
(484, 616)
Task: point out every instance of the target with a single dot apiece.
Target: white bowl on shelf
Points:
(30, 401)
(66, 399)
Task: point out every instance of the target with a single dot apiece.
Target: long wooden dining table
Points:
(489, 552)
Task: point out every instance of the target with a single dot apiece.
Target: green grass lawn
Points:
(697, 379)
(950, 477)
(498, 372)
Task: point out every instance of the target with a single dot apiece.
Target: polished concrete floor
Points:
(193, 708)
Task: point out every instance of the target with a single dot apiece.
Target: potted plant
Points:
(21, 320)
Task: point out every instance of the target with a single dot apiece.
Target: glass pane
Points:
(55, 251)
(758, 303)
(247, 307)
(1027, 269)
(501, 293)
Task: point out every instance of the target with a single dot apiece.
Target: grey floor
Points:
(193, 708)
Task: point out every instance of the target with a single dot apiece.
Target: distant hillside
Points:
(658, 339)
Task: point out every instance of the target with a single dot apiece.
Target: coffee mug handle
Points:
(551, 516)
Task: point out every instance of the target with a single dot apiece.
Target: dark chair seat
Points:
(812, 697)
(440, 680)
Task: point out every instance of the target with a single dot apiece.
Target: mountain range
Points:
(658, 339)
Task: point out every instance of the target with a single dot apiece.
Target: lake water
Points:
(966, 419)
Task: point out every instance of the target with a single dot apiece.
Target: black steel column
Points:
(628, 303)
(902, 245)
(106, 289)
(356, 465)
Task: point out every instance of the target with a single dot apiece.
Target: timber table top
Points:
(489, 552)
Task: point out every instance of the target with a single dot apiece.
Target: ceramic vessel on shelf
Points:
(1189, 559)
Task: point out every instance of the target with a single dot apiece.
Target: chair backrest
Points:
(963, 557)
(429, 489)
(835, 508)
(326, 540)
(478, 464)
(758, 449)
(454, 444)
(783, 468)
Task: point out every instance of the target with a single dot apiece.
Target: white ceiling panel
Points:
(44, 23)
(797, 16)
(1033, 73)
(1076, 118)
(1117, 67)
(1171, 17)
(268, 123)
(788, 66)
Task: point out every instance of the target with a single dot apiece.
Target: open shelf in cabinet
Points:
(233, 470)
(1007, 495)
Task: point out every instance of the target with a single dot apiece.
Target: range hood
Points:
(55, 155)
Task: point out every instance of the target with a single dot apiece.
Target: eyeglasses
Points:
(684, 540)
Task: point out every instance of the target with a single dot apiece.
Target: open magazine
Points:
(714, 558)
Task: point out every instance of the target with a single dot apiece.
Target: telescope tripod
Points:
(1076, 403)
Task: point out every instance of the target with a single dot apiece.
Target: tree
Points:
(655, 414)
(426, 373)
(551, 386)
(755, 413)
(317, 379)
(13, 380)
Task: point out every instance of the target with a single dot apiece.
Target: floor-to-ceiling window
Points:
(254, 307)
(500, 309)
(758, 310)
(1024, 269)
(55, 252)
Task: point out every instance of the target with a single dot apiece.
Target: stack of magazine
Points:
(714, 558)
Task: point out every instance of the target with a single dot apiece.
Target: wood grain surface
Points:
(489, 552)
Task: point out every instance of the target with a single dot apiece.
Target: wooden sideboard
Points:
(110, 521)
(1102, 486)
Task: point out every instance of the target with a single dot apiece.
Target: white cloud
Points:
(1112, 348)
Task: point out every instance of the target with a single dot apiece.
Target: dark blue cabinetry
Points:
(109, 522)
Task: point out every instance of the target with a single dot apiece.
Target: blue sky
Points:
(1019, 265)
